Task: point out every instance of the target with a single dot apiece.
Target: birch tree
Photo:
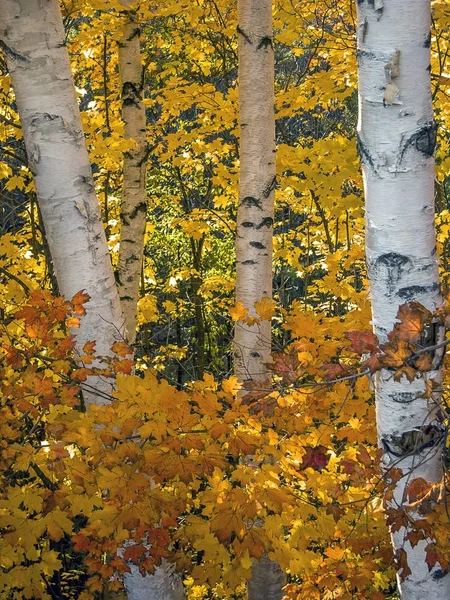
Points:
(33, 42)
(397, 135)
(255, 220)
(256, 184)
(134, 198)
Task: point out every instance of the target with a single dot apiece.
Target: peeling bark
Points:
(133, 210)
(396, 141)
(34, 47)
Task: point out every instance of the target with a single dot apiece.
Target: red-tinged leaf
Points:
(417, 488)
(373, 363)
(78, 300)
(424, 362)
(431, 556)
(335, 371)
(81, 542)
(89, 348)
(121, 349)
(80, 374)
(362, 342)
(412, 317)
(336, 511)
(134, 553)
(414, 537)
(401, 563)
(123, 366)
(315, 458)
(285, 366)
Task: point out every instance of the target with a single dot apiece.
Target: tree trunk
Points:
(252, 345)
(397, 137)
(34, 47)
(134, 195)
(33, 41)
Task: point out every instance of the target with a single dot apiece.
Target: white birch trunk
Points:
(32, 35)
(397, 137)
(134, 196)
(165, 584)
(252, 345)
(33, 42)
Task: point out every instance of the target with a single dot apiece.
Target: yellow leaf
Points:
(265, 308)
(238, 312)
(246, 561)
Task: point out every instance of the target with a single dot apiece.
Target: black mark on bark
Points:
(266, 222)
(413, 291)
(390, 267)
(249, 262)
(404, 397)
(12, 53)
(427, 42)
(141, 207)
(413, 442)
(364, 154)
(248, 224)
(250, 202)
(423, 140)
(131, 95)
(257, 245)
(244, 35)
(265, 42)
(270, 187)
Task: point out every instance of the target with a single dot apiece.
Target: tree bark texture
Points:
(33, 43)
(134, 195)
(252, 345)
(396, 139)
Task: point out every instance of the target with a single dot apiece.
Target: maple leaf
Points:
(335, 371)
(401, 563)
(265, 308)
(315, 458)
(285, 366)
(431, 556)
(78, 300)
(412, 318)
(335, 510)
(89, 348)
(362, 342)
(238, 312)
(73, 321)
(121, 349)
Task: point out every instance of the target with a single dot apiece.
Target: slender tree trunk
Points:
(134, 196)
(252, 345)
(397, 137)
(256, 184)
(33, 42)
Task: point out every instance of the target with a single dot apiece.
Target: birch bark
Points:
(134, 196)
(33, 41)
(397, 136)
(252, 345)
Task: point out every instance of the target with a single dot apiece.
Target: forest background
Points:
(316, 496)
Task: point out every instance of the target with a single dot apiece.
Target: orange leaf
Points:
(78, 300)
